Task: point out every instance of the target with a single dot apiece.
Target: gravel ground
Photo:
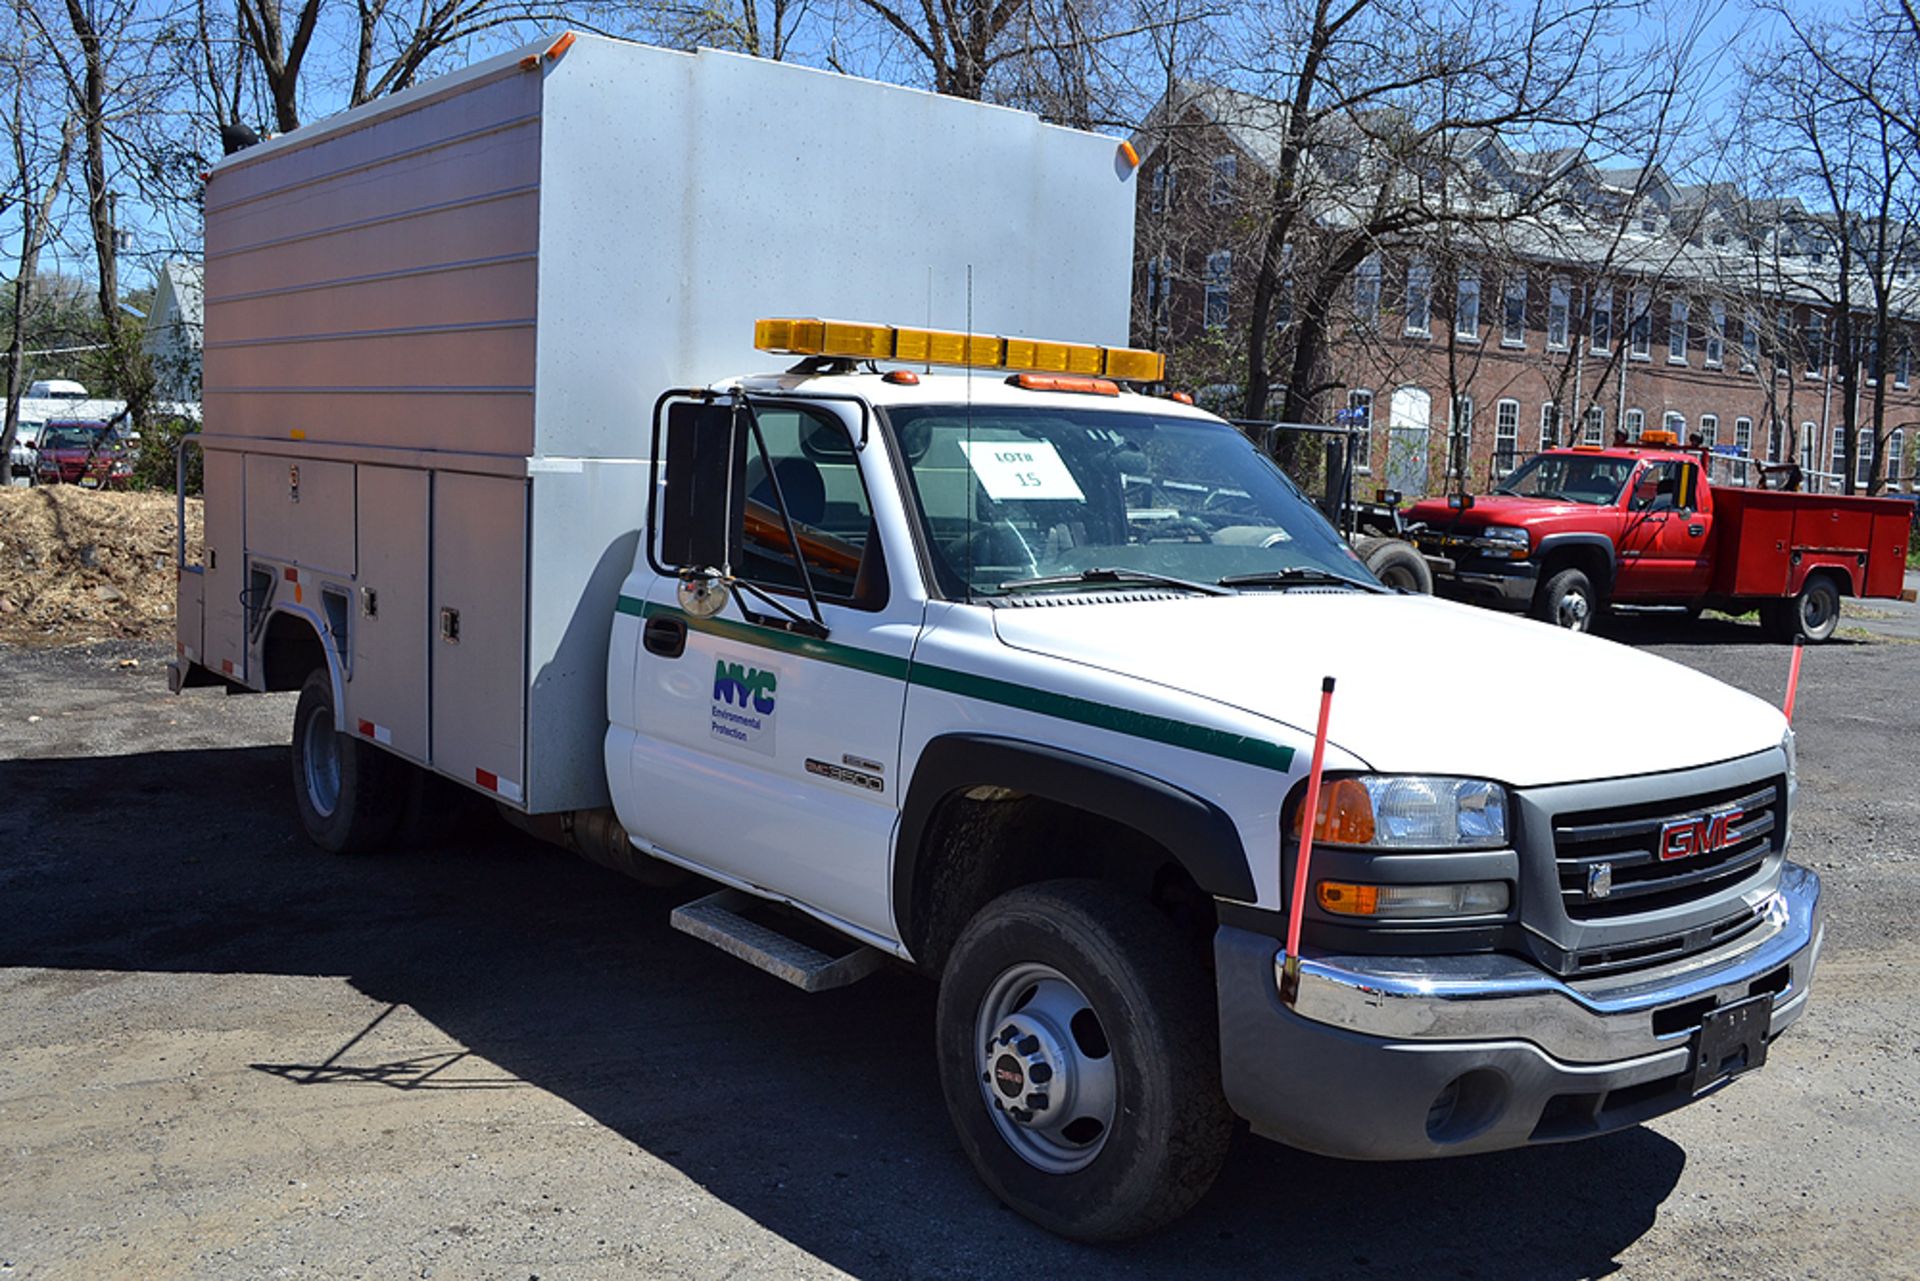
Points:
(225, 1055)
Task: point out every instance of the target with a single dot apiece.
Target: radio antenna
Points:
(973, 478)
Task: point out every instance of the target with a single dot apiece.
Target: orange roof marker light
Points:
(553, 51)
(1065, 382)
(856, 340)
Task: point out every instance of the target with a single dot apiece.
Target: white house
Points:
(174, 329)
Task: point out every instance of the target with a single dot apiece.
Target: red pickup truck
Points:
(1574, 530)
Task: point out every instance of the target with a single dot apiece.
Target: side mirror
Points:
(703, 511)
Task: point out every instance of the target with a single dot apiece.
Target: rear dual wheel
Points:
(1079, 1056)
(1813, 615)
(350, 794)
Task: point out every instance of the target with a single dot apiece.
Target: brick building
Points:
(1624, 303)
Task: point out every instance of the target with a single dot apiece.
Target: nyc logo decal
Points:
(744, 698)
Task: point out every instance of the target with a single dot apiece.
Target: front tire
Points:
(1568, 600)
(1080, 1058)
(350, 794)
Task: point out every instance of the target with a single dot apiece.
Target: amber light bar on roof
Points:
(858, 341)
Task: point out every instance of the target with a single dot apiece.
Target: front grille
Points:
(1610, 862)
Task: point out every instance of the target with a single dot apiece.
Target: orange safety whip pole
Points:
(1793, 676)
(1290, 972)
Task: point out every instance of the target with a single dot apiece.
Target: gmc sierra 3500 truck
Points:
(940, 640)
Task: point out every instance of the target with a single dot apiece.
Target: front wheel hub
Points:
(1046, 1069)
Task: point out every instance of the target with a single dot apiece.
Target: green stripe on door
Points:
(1066, 707)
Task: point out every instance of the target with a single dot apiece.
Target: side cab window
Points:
(1666, 486)
(810, 461)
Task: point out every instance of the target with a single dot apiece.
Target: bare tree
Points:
(42, 131)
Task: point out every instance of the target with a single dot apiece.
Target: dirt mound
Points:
(79, 565)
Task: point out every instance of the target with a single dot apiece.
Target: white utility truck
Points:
(936, 640)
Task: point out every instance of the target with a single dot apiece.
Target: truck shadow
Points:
(817, 1116)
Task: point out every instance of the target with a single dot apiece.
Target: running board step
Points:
(718, 919)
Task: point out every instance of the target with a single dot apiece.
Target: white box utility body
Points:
(930, 638)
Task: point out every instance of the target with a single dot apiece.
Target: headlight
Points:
(1410, 812)
(1793, 786)
(1509, 540)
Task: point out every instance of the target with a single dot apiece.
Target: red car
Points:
(82, 453)
(1574, 530)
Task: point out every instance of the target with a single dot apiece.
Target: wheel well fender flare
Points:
(1597, 547)
(1832, 567)
(1199, 834)
(311, 621)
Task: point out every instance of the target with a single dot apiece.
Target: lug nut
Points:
(1007, 1033)
(1038, 1102)
(1020, 1114)
(1028, 1044)
(1039, 1074)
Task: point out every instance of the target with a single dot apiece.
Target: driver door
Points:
(1663, 549)
(765, 754)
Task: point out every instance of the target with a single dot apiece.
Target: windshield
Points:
(1578, 478)
(1006, 495)
(71, 437)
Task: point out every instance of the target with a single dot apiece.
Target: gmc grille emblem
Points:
(1689, 837)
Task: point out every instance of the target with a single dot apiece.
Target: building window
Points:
(1161, 198)
(1631, 422)
(1776, 441)
(1742, 445)
(1283, 299)
(1675, 423)
(1602, 336)
(1710, 430)
(1466, 309)
(1749, 343)
(1640, 331)
(1419, 297)
(1863, 457)
(1871, 344)
(1903, 364)
(1159, 281)
(1838, 452)
(1559, 314)
(1716, 334)
(1677, 332)
(1360, 415)
(1506, 435)
(1816, 344)
(1780, 362)
(1226, 169)
(1896, 459)
(1549, 425)
(1460, 439)
(1366, 292)
(1593, 428)
(1513, 312)
(1219, 286)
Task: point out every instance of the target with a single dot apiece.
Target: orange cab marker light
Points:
(1063, 382)
(560, 46)
(901, 378)
(1181, 398)
(1128, 154)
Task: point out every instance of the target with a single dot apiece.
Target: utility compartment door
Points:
(224, 641)
(479, 624)
(300, 510)
(387, 692)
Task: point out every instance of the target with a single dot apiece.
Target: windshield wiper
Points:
(1298, 576)
(1112, 574)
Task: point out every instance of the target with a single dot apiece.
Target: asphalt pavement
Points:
(226, 1055)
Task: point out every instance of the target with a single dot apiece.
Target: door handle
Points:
(1696, 529)
(666, 636)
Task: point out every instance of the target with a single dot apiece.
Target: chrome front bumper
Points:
(1466, 998)
(1385, 1058)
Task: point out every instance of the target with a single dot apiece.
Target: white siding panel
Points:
(444, 296)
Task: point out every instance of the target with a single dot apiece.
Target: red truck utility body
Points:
(1767, 541)
(1574, 530)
